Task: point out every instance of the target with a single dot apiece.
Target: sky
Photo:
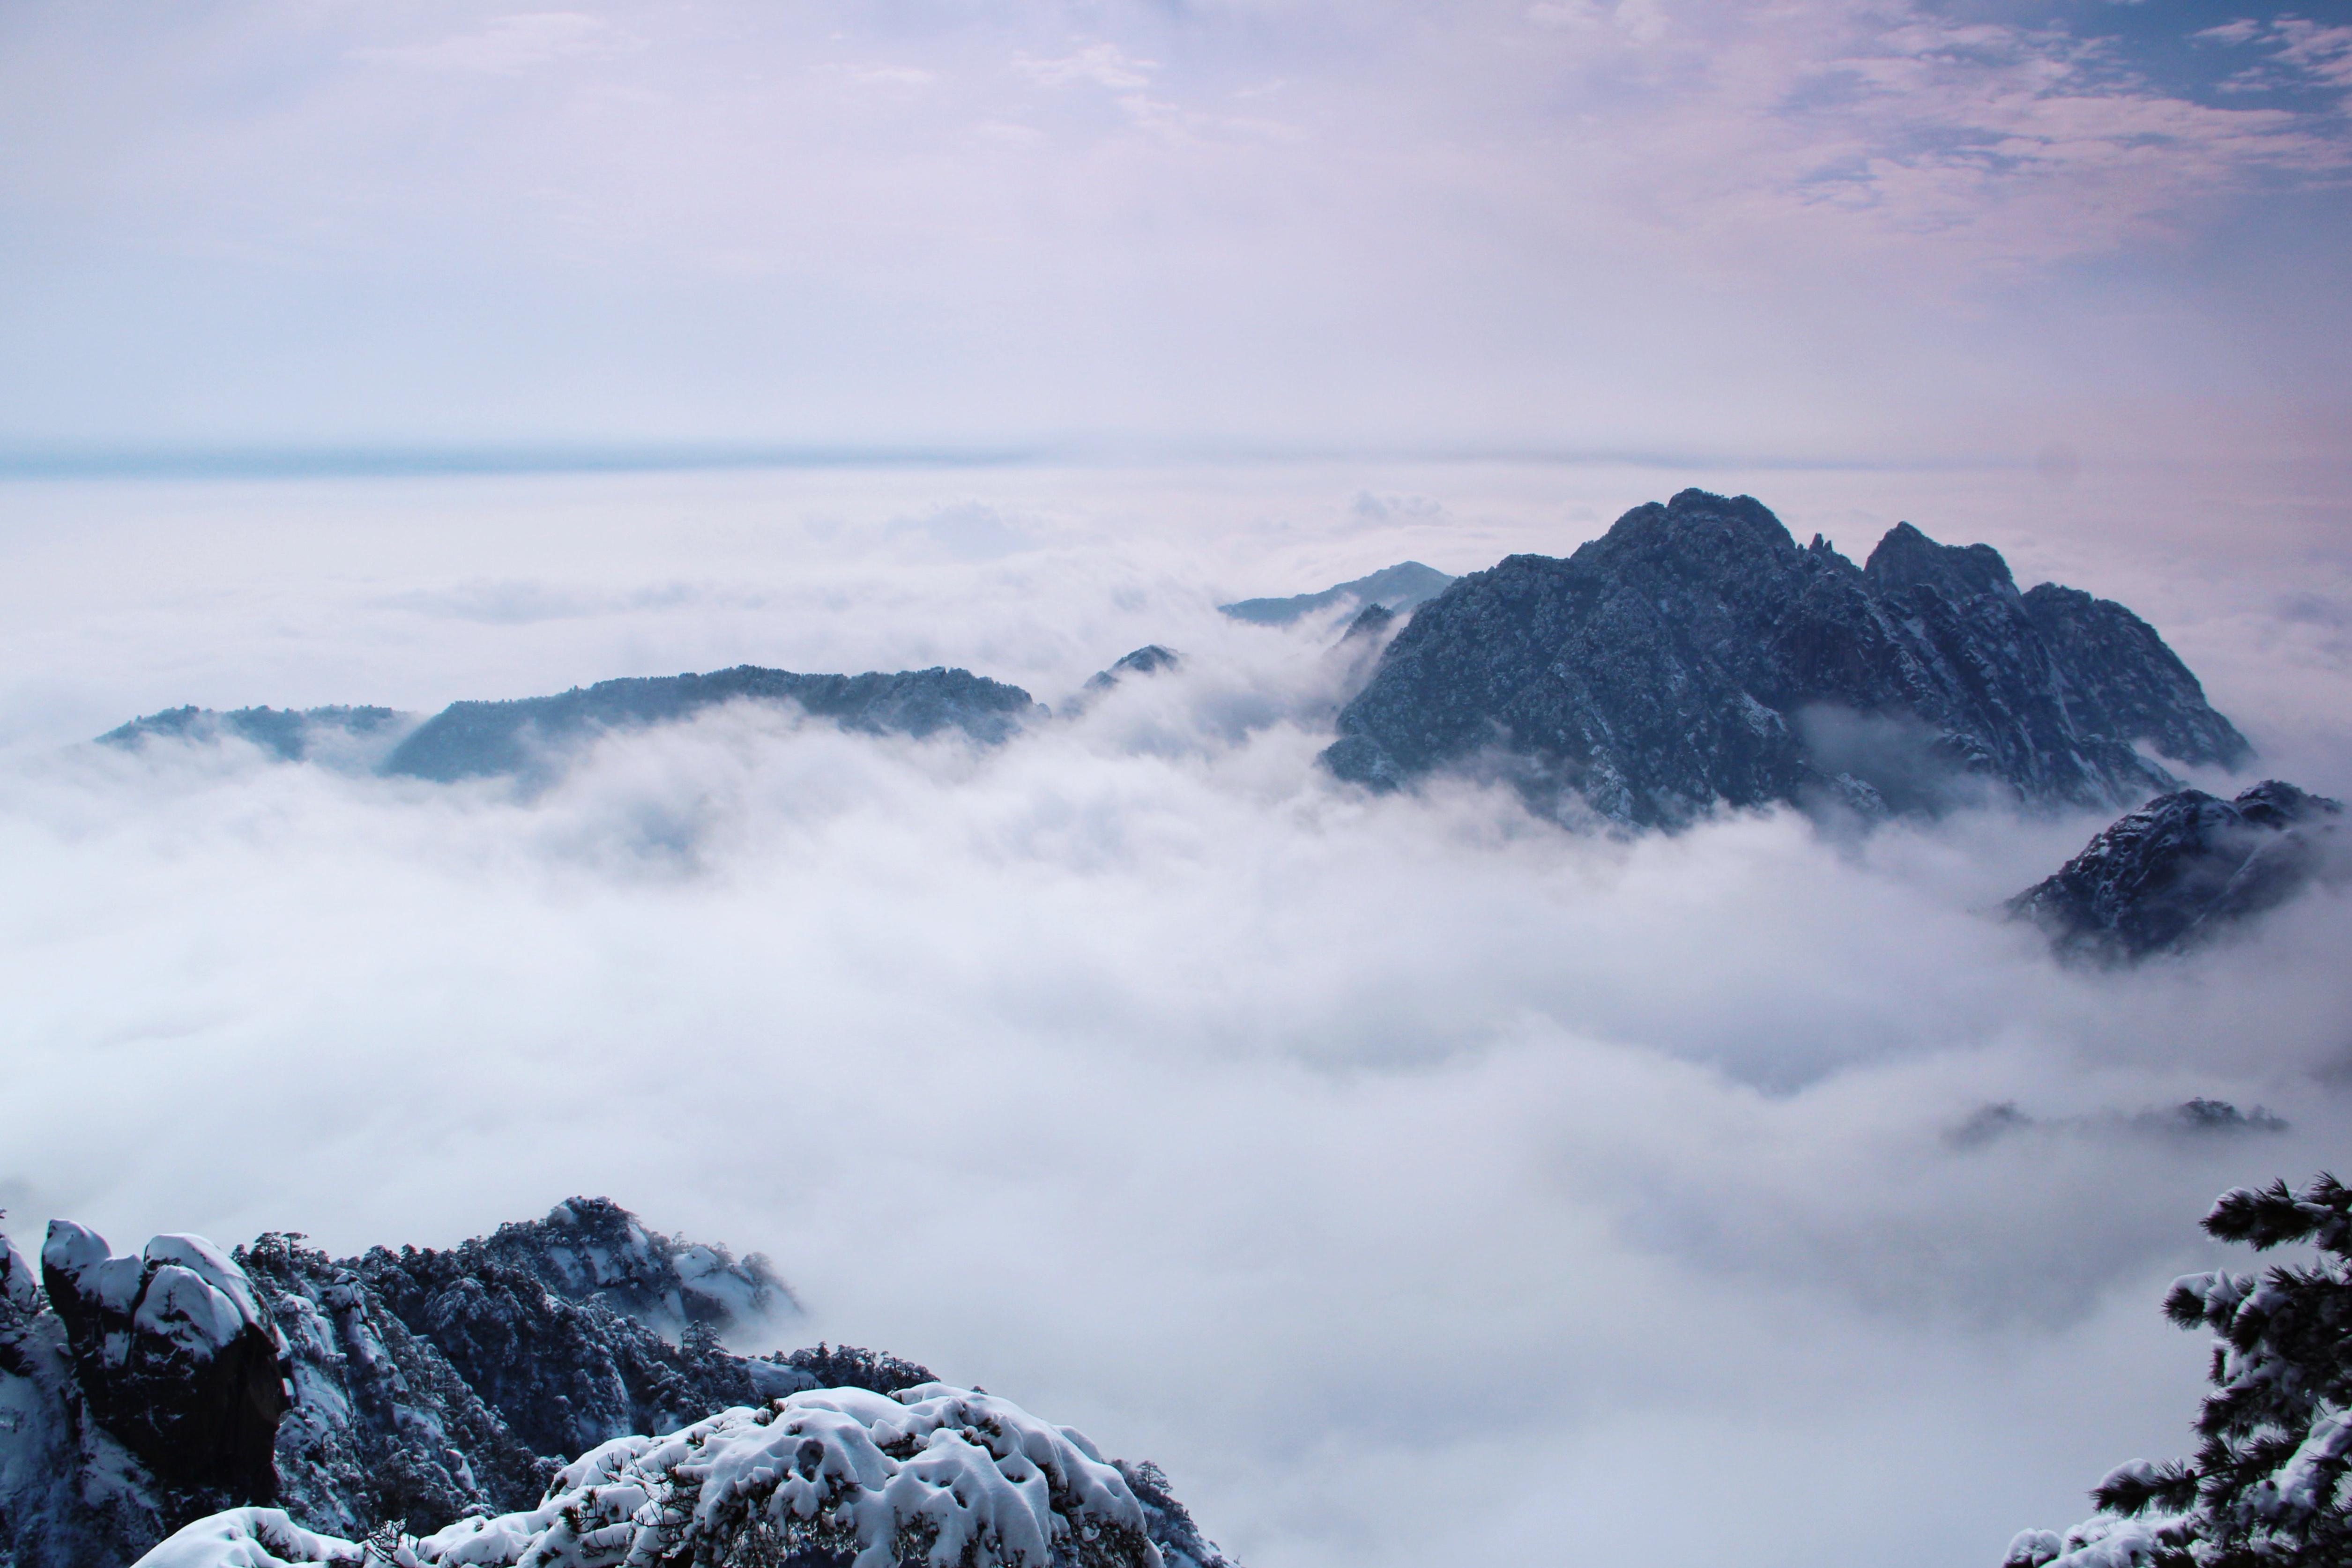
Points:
(1415, 1181)
(1834, 230)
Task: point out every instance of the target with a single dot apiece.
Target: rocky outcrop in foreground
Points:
(135, 1393)
(1697, 657)
(174, 1355)
(932, 1475)
(2183, 869)
(414, 1392)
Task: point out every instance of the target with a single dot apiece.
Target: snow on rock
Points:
(435, 1383)
(591, 1248)
(2184, 868)
(250, 1537)
(71, 1495)
(173, 1354)
(20, 1288)
(839, 1478)
(440, 1394)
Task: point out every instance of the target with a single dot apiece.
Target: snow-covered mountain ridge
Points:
(415, 1391)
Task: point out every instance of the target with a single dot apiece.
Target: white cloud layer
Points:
(1417, 1182)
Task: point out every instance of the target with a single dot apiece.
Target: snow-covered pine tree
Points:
(2268, 1485)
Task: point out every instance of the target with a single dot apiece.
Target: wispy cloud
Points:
(1102, 65)
(508, 44)
(2302, 53)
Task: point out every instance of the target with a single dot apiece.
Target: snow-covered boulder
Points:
(173, 1354)
(71, 1495)
(250, 1537)
(840, 1478)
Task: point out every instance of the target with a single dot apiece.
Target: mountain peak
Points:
(1907, 557)
(1694, 656)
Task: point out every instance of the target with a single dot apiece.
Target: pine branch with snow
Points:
(2267, 1486)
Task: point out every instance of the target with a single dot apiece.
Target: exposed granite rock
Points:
(1696, 655)
(477, 739)
(2182, 869)
(136, 1393)
(174, 1356)
(71, 1495)
(1399, 588)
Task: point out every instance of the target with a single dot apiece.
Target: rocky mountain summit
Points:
(1696, 655)
(2183, 869)
(418, 1393)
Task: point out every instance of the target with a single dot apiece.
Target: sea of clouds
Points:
(1415, 1181)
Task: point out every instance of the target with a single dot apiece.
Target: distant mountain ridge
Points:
(1696, 655)
(1402, 587)
(475, 739)
(484, 739)
(291, 734)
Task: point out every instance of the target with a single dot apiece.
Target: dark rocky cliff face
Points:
(1696, 655)
(2185, 868)
(174, 1356)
